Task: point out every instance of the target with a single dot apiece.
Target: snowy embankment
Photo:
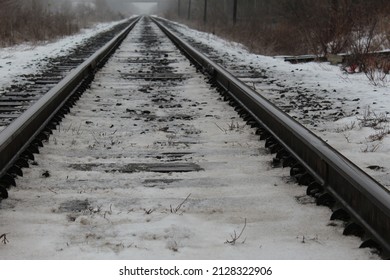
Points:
(29, 59)
(345, 110)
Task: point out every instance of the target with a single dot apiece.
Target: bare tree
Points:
(40, 20)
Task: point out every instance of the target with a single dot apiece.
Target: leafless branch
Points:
(149, 211)
(235, 237)
(177, 208)
(3, 238)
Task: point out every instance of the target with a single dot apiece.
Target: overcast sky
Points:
(125, 5)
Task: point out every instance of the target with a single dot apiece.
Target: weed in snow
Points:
(3, 238)
(177, 208)
(235, 237)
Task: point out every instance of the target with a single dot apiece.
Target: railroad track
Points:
(17, 98)
(156, 72)
(331, 178)
(29, 126)
(299, 101)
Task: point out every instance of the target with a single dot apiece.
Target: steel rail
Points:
(367, 201)
(17, 137)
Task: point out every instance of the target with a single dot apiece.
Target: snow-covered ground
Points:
(338, 107)
(30, 58)
(64, 208)
(93, 193)
(345, 110)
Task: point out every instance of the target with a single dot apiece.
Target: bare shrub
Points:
(368, 36)
(325, 26)
(376, 70)
(380, 134)
(292, 27)
(346, 127)
(371, 119)
(370, 148)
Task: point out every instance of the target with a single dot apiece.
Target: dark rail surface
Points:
(367, 201)
(17, 137)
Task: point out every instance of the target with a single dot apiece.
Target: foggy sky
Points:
(126, 5)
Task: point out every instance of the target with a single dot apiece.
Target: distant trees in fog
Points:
(37, 20)
(292, 26)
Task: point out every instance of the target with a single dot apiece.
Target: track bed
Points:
(152, 164)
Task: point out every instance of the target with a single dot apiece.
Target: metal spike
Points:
(305, 179)
(297, 169)
(33, 148)
(276, 162)
(8, 180)
(269, 141)
(264, 135)
(326, 199)
(340, 214)
(3, 192)
(16, 170)
(354, 229)
(38, 142)
(282, 153)
(314, 188)
(274, 148)
(370, 243)
(28, 154)
(22, 162)
(289, 161)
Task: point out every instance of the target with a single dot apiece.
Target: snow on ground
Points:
(29, 58)
(92, 194)
(340, 108)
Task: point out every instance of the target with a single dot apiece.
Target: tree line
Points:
(292, 27)
(41, 20)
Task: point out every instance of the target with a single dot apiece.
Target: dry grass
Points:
(372, 119)
(377, 70)
(296, 27)
(36, 21)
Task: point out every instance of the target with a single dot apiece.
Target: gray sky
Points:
(126, 5)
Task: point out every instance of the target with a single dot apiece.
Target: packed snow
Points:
(96, 191)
